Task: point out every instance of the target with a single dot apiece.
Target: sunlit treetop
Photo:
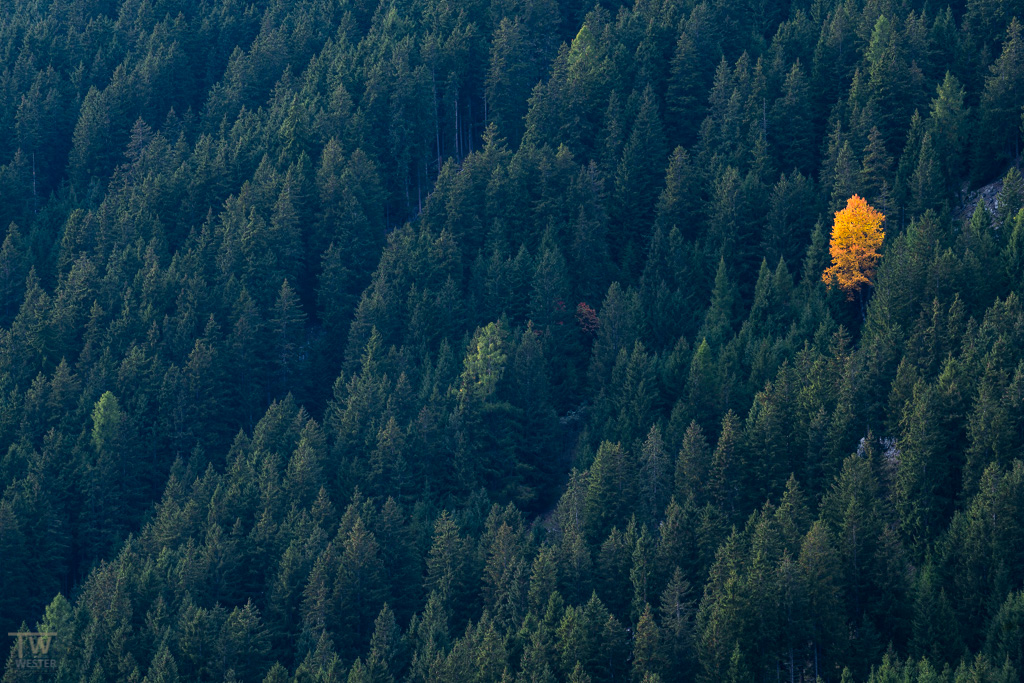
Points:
(856, 238)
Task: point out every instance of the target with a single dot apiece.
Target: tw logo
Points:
(39, 648)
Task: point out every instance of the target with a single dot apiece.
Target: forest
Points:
(512, 341)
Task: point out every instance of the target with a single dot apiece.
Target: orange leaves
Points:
(856, 236)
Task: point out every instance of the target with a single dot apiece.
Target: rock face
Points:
(987, 193)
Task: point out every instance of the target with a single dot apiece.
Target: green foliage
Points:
(484, 364)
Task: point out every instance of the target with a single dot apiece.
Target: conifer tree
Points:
(876, 172)
(948, 123)
(791, 122)
(1000, 104)
(448, 570)
(679, 203)
(611, 476)
(723, 482)
(693, 463)
(1010, 199)
(638, 175)
(654, 476)
(287, 323)
(13, 270)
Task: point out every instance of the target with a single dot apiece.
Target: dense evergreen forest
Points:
(488, 341)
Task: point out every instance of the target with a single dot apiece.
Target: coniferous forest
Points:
(512, 341)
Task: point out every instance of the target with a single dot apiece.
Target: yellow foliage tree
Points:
(856, 237)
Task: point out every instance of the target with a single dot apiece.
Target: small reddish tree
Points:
(587, 318)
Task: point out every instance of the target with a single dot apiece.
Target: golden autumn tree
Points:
(856, 237)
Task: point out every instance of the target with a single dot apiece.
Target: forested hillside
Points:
(498, 341)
